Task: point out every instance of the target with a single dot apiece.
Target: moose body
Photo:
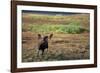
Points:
(43, 43)
(43, 46)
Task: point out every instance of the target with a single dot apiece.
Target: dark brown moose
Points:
(43, 43)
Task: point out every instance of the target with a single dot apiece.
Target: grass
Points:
(71, 28)
(61, 47)
(32, 56)
(74, 28)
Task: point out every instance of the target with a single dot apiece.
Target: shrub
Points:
(71, 28)
(74, 28)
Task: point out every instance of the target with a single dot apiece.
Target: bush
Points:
(71, 28)
(74, 28)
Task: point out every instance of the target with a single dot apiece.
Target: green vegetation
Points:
(71, 28)
(74, 28)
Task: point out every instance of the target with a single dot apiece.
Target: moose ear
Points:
(51, 35)
(39, 36)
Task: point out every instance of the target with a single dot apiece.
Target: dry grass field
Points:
(70, 39)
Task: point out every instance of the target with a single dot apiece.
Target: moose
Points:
(43, 43)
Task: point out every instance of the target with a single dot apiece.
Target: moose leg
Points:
(42, 52)
(47, 50)
(38, 53)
